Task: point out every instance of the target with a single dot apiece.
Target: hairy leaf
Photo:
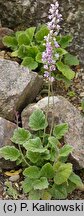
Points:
(11, 191)
(65, 40)
(23, 39)
(9, 153)
(27, 185)
(75, 179)
(30, 32)
(61, 51)
(10, 41)
(46, 195)
(63, 173)
(47, 171)
(65, 150)
(27, 51)
(60, 130)
(41, 33)
(41, 183)
(53, 142)
(34, 157)
(32, 172)
(37, 120)
(20, 136)
(59, 191)
(30, 63)
(39, 57)
(33, 143)
(70, 187)
(65, 70)
(34, 195)
(71, 60)
(23, 51)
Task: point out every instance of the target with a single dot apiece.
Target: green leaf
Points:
(20, 136)
(41, 33)
(23, 51)
(59, 191)
(27, 185)
(63, 173)
(65, 40)
(32, 172)
(76, 179)
(39, 150)
(57, 165)
(65, 150)
(61, 51)
(9, 153)
(46, 195)
(32, 51)
(30, 63)
(64, 79)
(41, 183)
(71, 60)
(23, 39)
(53, 143)
(18, 33)
(37, 120)
(27, 51)
(34, 195)
(33, 143)
(33, 156)
(11, 191)
(14, 54)
(70, 187)
(60, 130)
(39, 57)
(53, 155)
(47, 171)
(65, 70)
(19, 160)
(30, 32)
(71, 94)
(10, 41)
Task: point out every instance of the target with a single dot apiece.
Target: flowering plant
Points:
(43, 49)
(47, 174)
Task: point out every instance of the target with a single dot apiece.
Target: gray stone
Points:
(18, 87)
(73, 23)
(63, 111)
(23, 12)
(6, 132)
(14, 178)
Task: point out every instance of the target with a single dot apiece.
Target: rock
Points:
(18, 87)
(6, 132)
(73, 23)
(2, 54)
(14, 178)
(82, 94)
(64, 111)
(4, 32)
(23, 12)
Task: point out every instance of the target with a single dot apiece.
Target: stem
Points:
(49, 85)
(52, 124)
(19, 145)
(23, 156)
